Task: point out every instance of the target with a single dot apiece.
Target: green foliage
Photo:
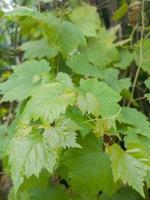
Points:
(28, 156)
(93, 95)
(32, 49)
(53, 101)
(128, 169)
(70, 132)
(25, 79)
(81, 170)
(146, 51)
(87, 20)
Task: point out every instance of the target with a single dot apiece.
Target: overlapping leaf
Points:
(87, 19)
(65, 35)
(138, 122)
(89, 167)
(125, 60)
(38, 49)
(26, 78)
(97, 98)
(127, 168)
(97, 55)
(28, 156)
(63, 135)
(49, 101)
(122, 194)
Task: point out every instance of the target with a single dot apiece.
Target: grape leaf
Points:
(63, 135)
(97, 98)
(83, 121)
(139, 147)
(102, 52)
(126, 58)
(81, 169)
(110, 76)
(49, 193)
(38, 49)
(25, 79)
(60, 33)
(122, 194)
(127, 168)
(53, 100)
(37, 193)
(79, 64)
(131, 117)
(65, 35)
(87, 19)
(28, 156)
(98, 54)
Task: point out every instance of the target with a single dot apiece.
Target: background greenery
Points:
(75, 99)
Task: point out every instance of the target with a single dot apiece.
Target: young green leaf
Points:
(28, 156)
(128, 169)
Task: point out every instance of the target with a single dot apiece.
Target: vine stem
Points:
(140, 54)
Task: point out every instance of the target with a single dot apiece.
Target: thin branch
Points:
(140, 55)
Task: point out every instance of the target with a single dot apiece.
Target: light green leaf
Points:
(64, 79)
(28, 156)
(38, 49)
(83, 121)
(111, 77)
(87, 19)
(79, 64)
(89, 167)
(97, 98)
(65, 35)
(126, 58)
(102, 52)
(63, 135)
(128, 169)
(49, 101)
(139, 147)
(62, 34)
(132, 117)
(26, 78)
